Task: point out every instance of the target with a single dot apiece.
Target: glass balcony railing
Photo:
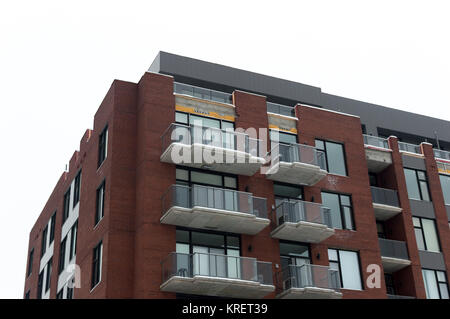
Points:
(296, 211)
(280, 109)
(308, 275)
(215, 198)
(202, 93)
(407, 147)
(384, 196)
(445, 155)
(376, 141)
(393, 248)
(297, 153)
(226, 139)
(217, 266)
(443, 168)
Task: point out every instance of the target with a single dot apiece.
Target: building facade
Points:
(204, 180)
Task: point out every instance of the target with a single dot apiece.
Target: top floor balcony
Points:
(280, 109)
(202, 93)
(378, 153)
(441, 154)
(211, 148)
(410, 148)
(296, 164)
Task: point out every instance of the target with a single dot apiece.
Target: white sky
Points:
(58, 60)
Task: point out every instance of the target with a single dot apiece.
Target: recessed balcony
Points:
(385, 203)
(296, 164)
(215, 149)
(394, 255)
(309, 282)
(216, 275)
(378, 154)
(302, 221)
(213, 208)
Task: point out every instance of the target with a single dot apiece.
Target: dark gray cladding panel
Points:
(447, 207)
(431, 260)
(220, 77)
(413, 162)
(421, 208)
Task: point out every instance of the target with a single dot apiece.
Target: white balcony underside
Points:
(309, 293)
(391, 264)
(302, 231)
(214, 286)
(223, 160)
(296, 173)
(377, 160)
(215, 219)
(385, 212)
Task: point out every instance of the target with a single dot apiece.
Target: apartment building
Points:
(205, 180)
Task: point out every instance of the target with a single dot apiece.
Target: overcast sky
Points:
(57, 61)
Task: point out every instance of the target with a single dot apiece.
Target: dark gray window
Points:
(52, 227)
(48, 274)
(100, 207)
(44, 240)
(341, 210)
(445, 185)
(40, 285)
(73, 240)
(60, 293)
(426, 234)
(416, 184)
(102, 146)
(30, 262)
(96, 265)
(284, 138)
(76, 191)
(62, 256)
(334, 156)
(66, 205)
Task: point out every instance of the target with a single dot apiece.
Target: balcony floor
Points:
(303, 232)
(239, 162)
(296, 173)
(215, 219)
(385, 212)
(309, 293)
(391, 264)
(214, 286)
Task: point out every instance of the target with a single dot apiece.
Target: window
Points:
(284, 138)
(445, 185)
(62, 256)
(190, 177)
(66, 205)
(416, 184)
(294, 255)
(27, 295)
(100, 209)
(341, 210)
(60, 294)
(102, 146)
(286, 192)
(436, 285)
(44, 241)
(76, 191)
(30, 262)
(191, 119)
(52, 228)
(69, 293)
(96, 265)
(334, 156)
(40, 284)
(390, 287)
(347, 262)
(73, 240)
(380, 230)
(48, 274)
(426, 234)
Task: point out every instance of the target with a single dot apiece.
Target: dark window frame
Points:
(224, 234)
(97, 253)
(62, 255)
(341, 210)
(52, 228)
(221, 121)
(77, 189)
(27, 295)
(325, 152)
(44, 241)
(418, 180)
(423, 233)
(435, 271)
(60, 294)
(73, 240)
(40, 285)
(102, 146)
(338, 261)
(48, 274)
(30, 262)
(223, 175)
(66, 205)
(100, 214)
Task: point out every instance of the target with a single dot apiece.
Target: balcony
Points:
(202, 93)
(445, 155)
(443, 167)
(205, 147)
(400, 297)
(216, 275)
(385, 203)
(281, 109)
(410, 148)
(302, 221)
(394, 255)
(296, 164)
(213, 208)
(378, 154)
(309, 282)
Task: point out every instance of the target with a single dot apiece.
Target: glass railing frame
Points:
(383, 143)
(281, 109)
(325, 213)
(399, 252)
(294, 154)
(228, 100)
(383, 192)
(333, 280)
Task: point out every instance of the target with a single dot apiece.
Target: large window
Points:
(283, 137)
(416, 184)
(334, 156)
(76, 191)
(436, 285)
(191, 177)
(52, 228)
(100, 207)
(426, 234)
(294, 254)
(96, 265)
(66, 205)
(102, 146)
(347, 262)
(191, 119)
(73, 240)
(30, 262)
(445, 185)
(40, 284)
(44, 240)
(48, 274)
(62, 256)
(341, 210)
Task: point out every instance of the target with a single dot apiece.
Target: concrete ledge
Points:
(391, 264)
(303, 232)
(296, 173)
(385, 212)
(309, 293)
